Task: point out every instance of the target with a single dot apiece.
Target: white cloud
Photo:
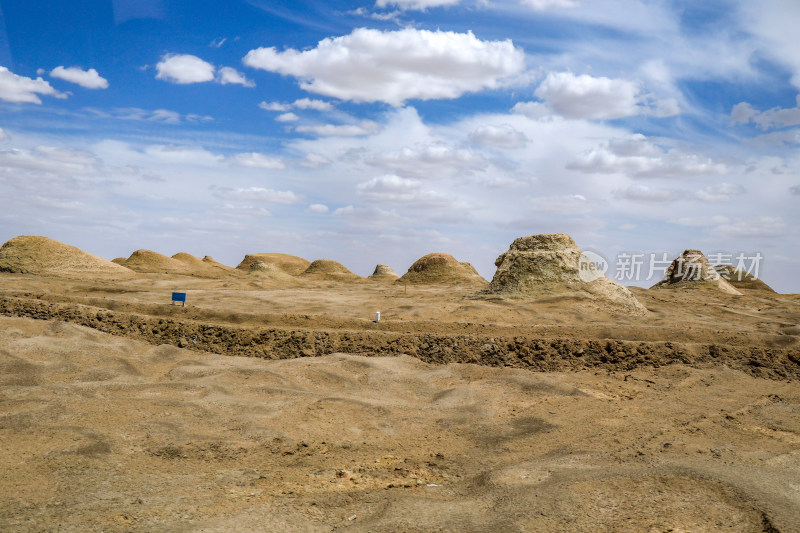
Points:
(394, 190)
(308, 103)
(775, 23)
(639, 157)
(587, 97)
(19, 89)
(185, 155)
(257, 160)
(88, 79)
(571, 204)
(429, 161)
(642, 193)
(365, 127)
(165, 116)
(229, 75)
(533, 110)
(217, 43)
(287, 117)
(51, 159)
(184, 69)
(721, 192)
(274, 106)
(542, 5)
(394, 66)
(743, 112)
(777, 117)
(256, 194)
(503, 136)
(314, 161)
(319, 209)
(419, 5)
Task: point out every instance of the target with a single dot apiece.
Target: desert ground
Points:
(274, 402)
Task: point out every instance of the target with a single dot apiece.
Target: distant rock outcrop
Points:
(442, 269)
(291, 264)
(44, 256)
(384, 273)
(740, 279)
(327, 269)
(551, 266)
(691, 269)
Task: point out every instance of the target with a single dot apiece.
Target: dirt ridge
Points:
(540, 354)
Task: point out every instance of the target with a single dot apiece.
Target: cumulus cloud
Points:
(777, 117)
(256, 194)
(391, 189)
(319, 209)
(394, 66)
(429, 161)
(19, 89)
(287, 117)
(639, 157)
(88, 79)
(184, 69)
(257, 160)
(308, 103)
(587, 97)
(503, 136)
(418, 5)
(364, 127)
(229, 75)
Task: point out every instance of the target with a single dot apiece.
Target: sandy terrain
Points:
(102, 432)
(272, 406)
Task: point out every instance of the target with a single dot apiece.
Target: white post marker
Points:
(377, 316)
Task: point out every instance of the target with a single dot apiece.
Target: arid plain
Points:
(273, 401)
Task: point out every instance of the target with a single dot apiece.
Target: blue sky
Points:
(376, 132)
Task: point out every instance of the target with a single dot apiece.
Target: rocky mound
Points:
(119, 260)
(384, 273)
(328, 269)
(439, 268)
(551, 266)
(691, 269)
(147, 261)
(291, 264)
(740, 279)
(206, 267)
(43, 256)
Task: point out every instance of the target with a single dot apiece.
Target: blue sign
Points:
(179, 297)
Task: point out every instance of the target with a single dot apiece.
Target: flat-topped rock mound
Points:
(328, 269)
(291, 264)
(44, 256)
(740, 279)
(692, 270)
(551, 266)
(384, 273)
(442, 269)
